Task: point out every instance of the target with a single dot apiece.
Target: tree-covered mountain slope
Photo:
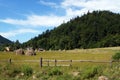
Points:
(4, 41)
(96, 29)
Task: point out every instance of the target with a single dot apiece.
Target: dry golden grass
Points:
(99, 54)
(77, 54)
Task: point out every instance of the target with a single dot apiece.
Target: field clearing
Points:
(77, 54)
(97, 54)
(83, 68)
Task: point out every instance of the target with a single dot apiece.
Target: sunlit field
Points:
(77, 54)
(97, 54)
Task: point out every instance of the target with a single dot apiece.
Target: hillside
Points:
(4, 40)
(96, 29)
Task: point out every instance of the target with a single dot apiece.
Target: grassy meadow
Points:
(78, 70)
(77, 54)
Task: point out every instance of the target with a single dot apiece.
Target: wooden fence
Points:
(55, 62)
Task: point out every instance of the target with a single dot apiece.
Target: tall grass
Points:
(77, 54)
(86, 70)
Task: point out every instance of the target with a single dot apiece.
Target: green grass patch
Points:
(85, 70)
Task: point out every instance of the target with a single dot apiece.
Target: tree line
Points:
(96, 29)
(91, 30)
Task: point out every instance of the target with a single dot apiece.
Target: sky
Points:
(24, 19)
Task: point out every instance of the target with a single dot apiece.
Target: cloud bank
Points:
(52, 4)
(36, 20)
(73, 8)
(16, 32)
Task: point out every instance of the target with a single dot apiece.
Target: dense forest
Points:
(92, 30)
(4, 40)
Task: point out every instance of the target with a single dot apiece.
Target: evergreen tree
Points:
(96, 29)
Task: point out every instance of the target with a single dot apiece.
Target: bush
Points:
(55, 71)
(116, 57)
(91, 72)
(14, 72)
(27, 70)
(9, 70)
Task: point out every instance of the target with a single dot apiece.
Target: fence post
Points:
(48, 62)
(41, 62)
(55, 62)
(70, 62)
(10, 61)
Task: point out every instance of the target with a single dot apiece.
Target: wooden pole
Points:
(10, 61)
(55, 62)
(48, 62)
(41, 63)
(70, 62)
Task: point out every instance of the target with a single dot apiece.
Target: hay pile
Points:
(30, 52)
(19, 52)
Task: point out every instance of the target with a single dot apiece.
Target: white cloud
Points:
(78, 7)
(73, 8)
(92, 4)
(36, 20)
(52, 4)
(17, 32)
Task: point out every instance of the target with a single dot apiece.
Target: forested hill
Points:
(96, 29)
(4, 41)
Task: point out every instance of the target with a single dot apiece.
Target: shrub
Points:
(9, 70)
(91, 72)
(14, 72)
(54, 71)
(116, 57)
(42, 76)
(27, 70)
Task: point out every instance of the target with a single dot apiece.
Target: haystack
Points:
(30, 52)
(19, 52)
(8, 49)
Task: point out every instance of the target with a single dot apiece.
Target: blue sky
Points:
(24, 19)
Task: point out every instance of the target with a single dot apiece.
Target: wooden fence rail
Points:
(55, 61)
